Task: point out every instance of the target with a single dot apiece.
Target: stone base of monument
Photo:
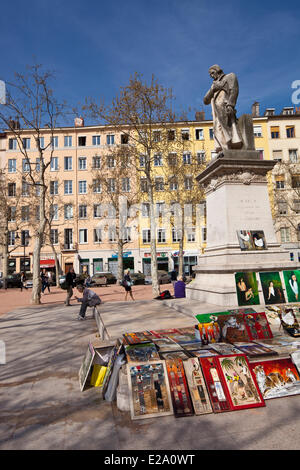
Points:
(237, 199)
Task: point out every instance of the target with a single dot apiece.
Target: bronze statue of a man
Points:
(223, 96)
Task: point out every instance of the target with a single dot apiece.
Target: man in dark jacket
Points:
(89, 299)
(70, 283)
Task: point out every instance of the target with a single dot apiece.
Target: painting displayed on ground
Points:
(251, 240)
(197, 386)
(180, 394)
(276, 378)
(210, 317)
(166, 345)
(295, 356)
(209, 332)
(175, 355)
(136, 338)
(292, 285)
(141, 352)
(282, 345)
(233, 328)
(257, 326)
(113, 356)
(86, 366)
(240, 382)
(149, 390)
(272, 288)
(177, 335)
(255, 350)
(290, 320)
(215, 387)
(204, 352)
(247, 288)
(225, 348)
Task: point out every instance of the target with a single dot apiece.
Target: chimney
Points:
(255, 109)
(200, 116)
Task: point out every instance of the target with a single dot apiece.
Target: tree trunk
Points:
(57, 266)
(120, 260)
(180, 254)
(36, 276)
(154, 277)
(5, 262)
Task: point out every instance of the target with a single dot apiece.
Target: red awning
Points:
(47, 263)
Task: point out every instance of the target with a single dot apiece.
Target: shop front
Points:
(162, 262)
(190, 259)
(128, 262)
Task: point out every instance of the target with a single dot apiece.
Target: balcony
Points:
(69, 247)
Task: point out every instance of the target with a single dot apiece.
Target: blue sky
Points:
(94, 46)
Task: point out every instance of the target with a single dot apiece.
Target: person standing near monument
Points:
(70, 283)
(222, 96)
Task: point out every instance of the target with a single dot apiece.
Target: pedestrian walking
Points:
(89, 299)
(45, 282)
(22, 281)
(127, 283)
(70, 283)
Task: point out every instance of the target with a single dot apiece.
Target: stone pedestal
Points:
(236, 199)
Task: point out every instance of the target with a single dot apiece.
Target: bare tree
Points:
(37, 112)
(143, 114)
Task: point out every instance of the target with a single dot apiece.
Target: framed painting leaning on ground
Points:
(272, 287)
(197, 386)
(292, 285)
(246, 288)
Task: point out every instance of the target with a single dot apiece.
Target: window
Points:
(211, 133)
(161, 235)
(142, 160)
(37, 165)
(158, 160)
(127, 234)
(12, 144)
(54, 142)
(68, 187)
(257, 131)
(277, 155)
(68, 163)
(201, 160)
(110, 139)
(26, 143)
(188, 183)
(96, 162)
(199, 134)
(54, 236)
(81, 141)
(213, 154)
(185, 134)
(282, 207)
(25, 237)
(37, 213)
(261, 153)
(11, 238)
(279, 182)
(285, 235)
(83, 235)
(96, 139)
(54, 164)
(172, 159)
(293, 155)
(25, 213)
(159, 183)
(191, 234)
(96, 186)
(68, 141)
(42, 142)
(124, 139)
(145, 209)
(296, 206)
(202, 208)
(54, 211)
(97, 211)
(173, 184)
(97, 235)
(25, 165)
(156, 136)
(12, 165)
(111, 187)
(82, 163)
(203, 233)
(54, 188)
(290, 132)
(146, 235)
(160, 206)
(187, 159)
(68, 210)
(171, 135)
(126, 185)
(275, 132)
(82, 187)
(296, 181)
(25, 188)
(82, 211)
(112, 234)
(110, 161)
(12, 213)
(176, 235)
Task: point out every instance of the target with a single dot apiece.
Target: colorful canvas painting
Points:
(136, 338)
(272, 288)
(233, 328)
(292, 285)
(290, 321)
(163, 333)
(254, 350)
(241, 384)
(193, 346)
(272, 315)
(197, 387)
(246, 288)
(183, 355)
(276, 378)
(216, 388)
(149, 390)
(251, 240)
(183, 338)
(166, 345)
(141, 352)
(209, 332)
(282, 345)
(295, 356)
(241, 310)
(210, 317)
(180, 394)
(257, 326)
(225, 349)
(204, 352)
(259, 240)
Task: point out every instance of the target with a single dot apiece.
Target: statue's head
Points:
(215, 71)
